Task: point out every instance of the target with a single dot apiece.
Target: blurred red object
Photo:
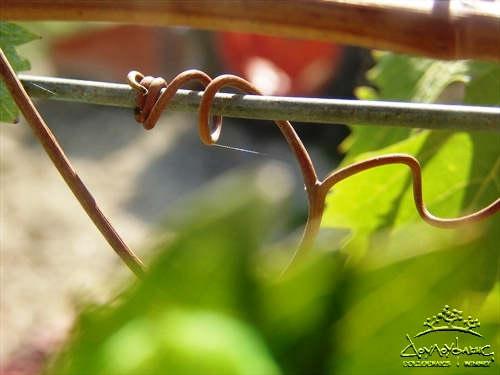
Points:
(110, 53)
(280, 66)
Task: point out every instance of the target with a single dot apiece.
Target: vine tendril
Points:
(153, 95)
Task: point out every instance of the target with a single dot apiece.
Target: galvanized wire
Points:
(309, 110)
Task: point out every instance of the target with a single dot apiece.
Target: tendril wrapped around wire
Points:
(153, 95)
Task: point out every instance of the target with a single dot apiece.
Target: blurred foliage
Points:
(12, 35)
(215, 302)
(405, 268)
(211, 302)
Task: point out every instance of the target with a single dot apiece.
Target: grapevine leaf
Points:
(12, 35)
(412, 269)
(19, 62)
(459, 170)
(484, 87)
(8, 109)
(401, 78)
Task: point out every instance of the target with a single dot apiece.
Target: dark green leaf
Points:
(12, 35)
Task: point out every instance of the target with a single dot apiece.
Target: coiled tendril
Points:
(153, 95)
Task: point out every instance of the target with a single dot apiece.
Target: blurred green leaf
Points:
(185, 341)
(211, 302)
(12, 35)
(385, 303)
(295, 313)
(192, 313)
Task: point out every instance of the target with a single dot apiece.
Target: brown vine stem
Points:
(153, 95)
(442, 29)
(63, 165)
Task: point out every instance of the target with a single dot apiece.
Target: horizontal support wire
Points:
(311, 110)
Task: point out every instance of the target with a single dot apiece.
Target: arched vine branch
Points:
(63, 165)
(153, 95)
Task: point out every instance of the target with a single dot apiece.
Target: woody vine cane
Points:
(153, 95)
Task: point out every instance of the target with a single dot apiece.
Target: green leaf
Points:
(12, 35)
(484, 86)
(456, 167)
(401, 78)
(405, 269)
(8, 109)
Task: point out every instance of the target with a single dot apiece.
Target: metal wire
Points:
(311, 110)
